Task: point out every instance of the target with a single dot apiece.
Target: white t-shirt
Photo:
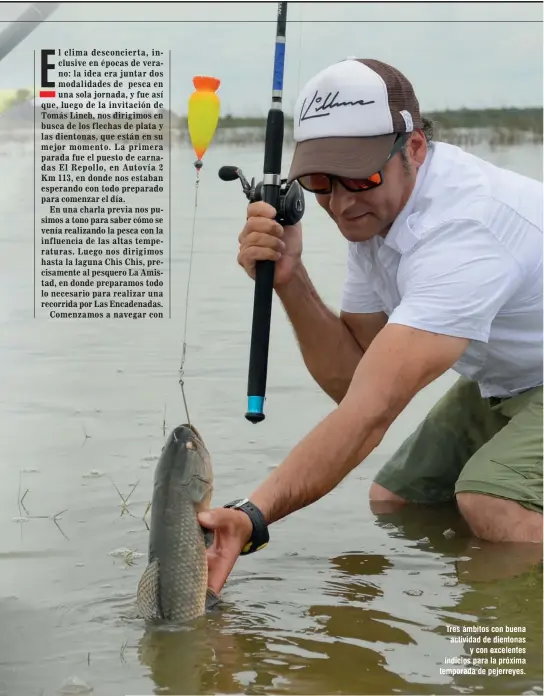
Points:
(464, 258)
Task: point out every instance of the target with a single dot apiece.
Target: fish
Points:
(174, 585)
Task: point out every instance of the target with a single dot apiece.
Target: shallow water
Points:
(338, 603)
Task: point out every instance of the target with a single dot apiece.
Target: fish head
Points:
(189, 464)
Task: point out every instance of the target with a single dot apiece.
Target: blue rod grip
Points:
(279, 60)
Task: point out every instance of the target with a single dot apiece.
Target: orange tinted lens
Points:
(375, 178)
(363, 184)
(315, 182)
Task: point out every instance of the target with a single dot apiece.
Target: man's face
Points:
(366, 214)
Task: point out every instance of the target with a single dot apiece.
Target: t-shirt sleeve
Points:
(358, 297)
(455, 281)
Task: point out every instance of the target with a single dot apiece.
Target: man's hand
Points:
(232, 530)
(264, 239)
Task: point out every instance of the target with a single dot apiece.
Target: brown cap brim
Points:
(357, 158)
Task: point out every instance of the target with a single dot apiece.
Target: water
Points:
(338, 603)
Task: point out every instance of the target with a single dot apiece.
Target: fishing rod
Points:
(288, 201)
(24, 25)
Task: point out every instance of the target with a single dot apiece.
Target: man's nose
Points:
(340, 199)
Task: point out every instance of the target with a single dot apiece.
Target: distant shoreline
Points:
(527, 119)
(463, 127)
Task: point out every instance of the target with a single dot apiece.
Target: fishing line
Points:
(202, 120)
(198, 165)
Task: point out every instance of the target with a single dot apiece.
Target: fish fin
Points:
(212, 600)
(148, 594)
(208, 536)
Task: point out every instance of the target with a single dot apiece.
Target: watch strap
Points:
(259, 536)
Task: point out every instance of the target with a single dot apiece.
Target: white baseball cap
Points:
(348, 116)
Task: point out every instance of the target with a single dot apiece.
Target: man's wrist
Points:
(258, 537)
(294, 285)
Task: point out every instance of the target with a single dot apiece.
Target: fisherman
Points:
(444, 271)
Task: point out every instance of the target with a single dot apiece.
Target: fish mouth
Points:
(193, 472)
(194, 432)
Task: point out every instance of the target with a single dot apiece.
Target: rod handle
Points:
(264, 276)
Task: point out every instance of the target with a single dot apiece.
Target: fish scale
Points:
(187, 565)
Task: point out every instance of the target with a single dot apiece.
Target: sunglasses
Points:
(322, 183)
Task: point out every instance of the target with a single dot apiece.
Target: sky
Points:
(456, 54)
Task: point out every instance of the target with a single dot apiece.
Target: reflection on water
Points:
(341, 602)
(352, 640)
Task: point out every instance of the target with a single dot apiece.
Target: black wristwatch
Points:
(259, 537)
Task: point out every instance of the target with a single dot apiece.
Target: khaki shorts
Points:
(471, 444)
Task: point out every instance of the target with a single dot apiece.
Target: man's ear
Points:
(417, 147)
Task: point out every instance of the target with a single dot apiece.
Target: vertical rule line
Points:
(34, 187)
(170, 183)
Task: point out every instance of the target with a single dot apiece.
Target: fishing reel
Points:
(291, 199)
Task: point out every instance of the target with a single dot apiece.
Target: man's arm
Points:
(453, 286)
(397, 365)
(331, 346)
